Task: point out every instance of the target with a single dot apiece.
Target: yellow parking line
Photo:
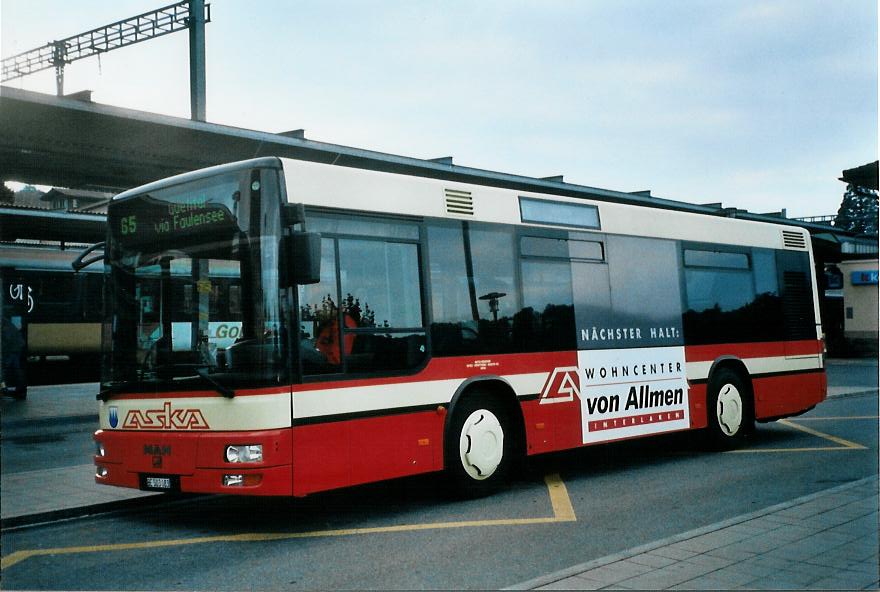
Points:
(563, 511)
(836, 417)
(843, 444)
(835, 439)
(559, 499)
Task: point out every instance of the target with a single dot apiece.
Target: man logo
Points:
(562, 386)
(114, 417)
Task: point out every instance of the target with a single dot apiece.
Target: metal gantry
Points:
(188, 14)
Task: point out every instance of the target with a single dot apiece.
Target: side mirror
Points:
(294, 214)
(303, 257)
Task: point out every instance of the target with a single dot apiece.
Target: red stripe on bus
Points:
(770, 349)
(461, 367)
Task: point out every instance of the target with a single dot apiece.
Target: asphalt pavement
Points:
(825, 540)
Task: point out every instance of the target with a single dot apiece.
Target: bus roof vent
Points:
(459, 202)
(793, 240)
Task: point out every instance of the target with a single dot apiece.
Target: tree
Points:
(7, 195)
(858, 210)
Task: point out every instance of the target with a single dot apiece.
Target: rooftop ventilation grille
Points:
(793, 240)
(459, 202)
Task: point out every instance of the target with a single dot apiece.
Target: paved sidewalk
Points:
(827, 540)
(36, 496)
(49, 494)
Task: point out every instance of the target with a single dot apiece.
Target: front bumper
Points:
(195, 460)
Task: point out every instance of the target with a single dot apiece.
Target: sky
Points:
(756, 104)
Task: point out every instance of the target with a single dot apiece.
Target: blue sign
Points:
(114, 417)
(864, 278)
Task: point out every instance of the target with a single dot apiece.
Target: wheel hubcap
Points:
(729, 410)
(481, 445)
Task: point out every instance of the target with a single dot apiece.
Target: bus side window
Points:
(318, 316)
(382, 300)
(732, 296)
(474, 288)
(546, 322)
(376, 291)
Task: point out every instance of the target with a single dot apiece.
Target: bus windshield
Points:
(193, 296)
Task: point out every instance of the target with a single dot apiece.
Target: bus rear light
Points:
(247, 453)
(242, 480)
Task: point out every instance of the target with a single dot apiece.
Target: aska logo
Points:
(563, 385)
(165, 419)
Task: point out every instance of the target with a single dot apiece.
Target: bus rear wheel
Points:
(479, 446)
(729, 409)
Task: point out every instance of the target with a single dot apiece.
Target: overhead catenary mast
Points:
(188, 14)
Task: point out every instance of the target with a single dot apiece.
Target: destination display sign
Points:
(146, 220)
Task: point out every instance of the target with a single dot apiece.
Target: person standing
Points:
(12, 347)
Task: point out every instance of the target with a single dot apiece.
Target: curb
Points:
(50, 421)
(26, 520)
(864, 393)
(582, 567)
(865, 361)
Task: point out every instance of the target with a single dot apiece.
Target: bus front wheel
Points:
(729, 406)
(479, 446)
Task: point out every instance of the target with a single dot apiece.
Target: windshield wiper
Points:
(220, 388)
(200, 370)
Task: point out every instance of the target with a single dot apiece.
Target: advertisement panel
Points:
(632, 392)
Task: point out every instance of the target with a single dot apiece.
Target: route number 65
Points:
(128, 225)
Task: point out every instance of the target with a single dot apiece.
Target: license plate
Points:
(160, 482)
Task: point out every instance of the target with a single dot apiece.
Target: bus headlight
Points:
(246, 453)
(99, 449)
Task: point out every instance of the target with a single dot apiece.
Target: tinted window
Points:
(365, 315)
(382, 281)
(450, 293)
(722, 259)
(795, 279)
(363, 227)
(718, 288)
(578, 249)
(634, 301)
(543, 247)
(473, 288)
(735, 301)
(319, 317)
(532, 246)
(546, 321)
(559, 213)
(494, 264)
(764, 263)
(55, 297)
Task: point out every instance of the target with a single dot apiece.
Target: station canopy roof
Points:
(71, 142)
(863, 176)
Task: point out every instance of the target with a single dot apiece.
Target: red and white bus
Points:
(282, 327)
